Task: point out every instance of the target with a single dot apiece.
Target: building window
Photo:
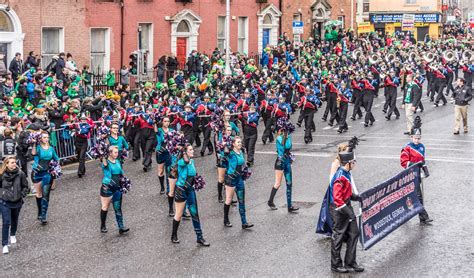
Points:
(221, 32)
(183, 27)
(52, 43)
(297, 17)
(366, 7)
(341, 19)
(6, 24)
(267, 19)
(410, 2)
(100, 49)
(144, 36)
(243, 35)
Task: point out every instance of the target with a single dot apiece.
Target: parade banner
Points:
(389, 205)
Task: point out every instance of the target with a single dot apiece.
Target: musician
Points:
(83, 131)
(147, 138)
(391, 83)
(368, 96)
(266, 110)
(204, 112)
(344, 220)
(412, 153)
(410, 101)
(309, 104)
(356, 96)
(249, 126)
(468, 71)
(440, 81)
(344, 98)
(187, 120)
(331, 97)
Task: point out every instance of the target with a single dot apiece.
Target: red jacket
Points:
(341, 187)
(412, 154)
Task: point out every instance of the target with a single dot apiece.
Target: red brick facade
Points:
(77, 17)
(304, 8)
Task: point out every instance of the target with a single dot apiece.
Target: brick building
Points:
(103, 33)
(314, 13)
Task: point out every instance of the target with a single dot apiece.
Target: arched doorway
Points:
(268, 22)
(184, 34)
(11, 35)
(321, 13)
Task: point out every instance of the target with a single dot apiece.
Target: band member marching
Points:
(344, 96)
(413, 153)
(391, 83)
(344, 220)
(309, 105)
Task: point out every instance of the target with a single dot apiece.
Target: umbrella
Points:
(332, 23)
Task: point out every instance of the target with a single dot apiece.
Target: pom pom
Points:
(199, 183)
(103, 131)
(101, 149)
(292, 157)
(225, 142)
(55, 169)
(174, 140)
(284, 124)
(33, 138)
(157, 117)
(246, 172)
(125, 184)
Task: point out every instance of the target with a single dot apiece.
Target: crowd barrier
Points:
(63, 141)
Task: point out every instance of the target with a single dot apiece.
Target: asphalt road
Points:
(280, 244)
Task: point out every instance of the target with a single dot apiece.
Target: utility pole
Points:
(227, 71)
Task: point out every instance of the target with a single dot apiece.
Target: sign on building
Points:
(364, 27)
(298, 27)
(408, 22)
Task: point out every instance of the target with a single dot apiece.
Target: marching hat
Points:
(416, 129)
(349, 155)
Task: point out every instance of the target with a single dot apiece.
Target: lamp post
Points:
(227, 71)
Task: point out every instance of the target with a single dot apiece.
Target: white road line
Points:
(438, 159)
(384, 137)
(430, 147)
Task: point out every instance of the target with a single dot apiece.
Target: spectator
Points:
(59, 67)
(3, 67)
(87, 81)
(161, 68)
(16, 67)
(171, 65)
(32, 61)
(110, 79)
(124, 76)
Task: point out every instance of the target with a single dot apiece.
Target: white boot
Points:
(5, 249)
(12, 239)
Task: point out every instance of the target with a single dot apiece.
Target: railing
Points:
(63, 141)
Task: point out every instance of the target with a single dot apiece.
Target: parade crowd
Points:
(200, 111)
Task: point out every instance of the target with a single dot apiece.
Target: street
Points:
(280, 244)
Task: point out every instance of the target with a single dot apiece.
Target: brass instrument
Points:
(467, 55)
(449, 56)
(357, 54)
(429, 57)
(374, 59)
(390, 57)
(412, 55)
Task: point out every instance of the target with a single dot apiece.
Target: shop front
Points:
(424, 24)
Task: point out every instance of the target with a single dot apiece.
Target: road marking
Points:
(438, 159)
(383, 137)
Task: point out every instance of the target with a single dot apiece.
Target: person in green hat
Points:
(110, 79)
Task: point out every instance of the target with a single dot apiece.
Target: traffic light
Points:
(134, 63)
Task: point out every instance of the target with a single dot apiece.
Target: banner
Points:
(390, 18)
(408, 22)
(389, 205)
(364, 27)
